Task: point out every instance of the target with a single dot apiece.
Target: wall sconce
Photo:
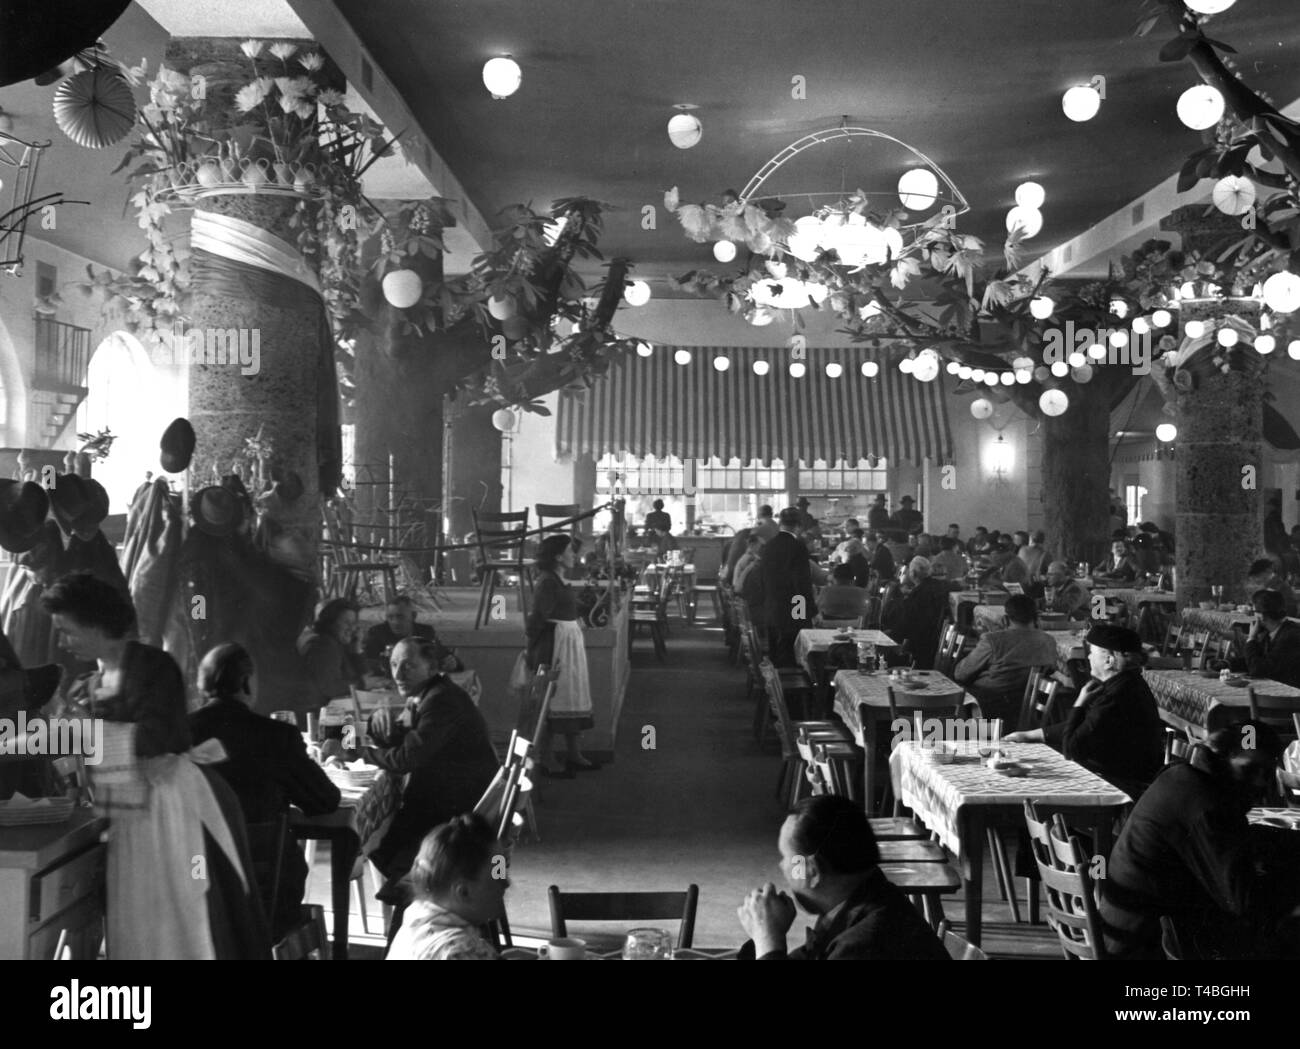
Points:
(1001, 459)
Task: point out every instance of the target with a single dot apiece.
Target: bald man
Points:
(1064, 593)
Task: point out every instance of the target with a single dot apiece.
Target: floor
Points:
(689, 798)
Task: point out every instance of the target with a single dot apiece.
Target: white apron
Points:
(572, 689)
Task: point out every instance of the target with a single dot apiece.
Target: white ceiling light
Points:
(798, 370)
(990, 378)
(1234, 194)
(870, 369)
(644, 349)
(918, 189)
(1053, 402)
(721, 363)
(834, 370)
(981, 408)
(1030, 195)
(502, 76)
(1200, 107)
(1118, 339)
(952, 367)
(1141, 325)
(761, 367)
(1282, 292)
(1162, 318)
(1293, 349)
(1008, 378)
(1081, 102)
(1060, 369)
(1166, 432)
(1028, 220)
(1119, 307)
(682, 356)
(1096, 351)
(1209, 7)
(1227, 337)
(402, 288)
(1265, 343)
(977, 375)
(1082, 374)
(1023, 376)
(724, 251)
(637, 293)
(1042, 307)
(965, 372)
(685, 130)
(1076, 360)
(1194, 329)
(926, 368)
(906, 365)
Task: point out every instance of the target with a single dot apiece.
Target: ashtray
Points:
(1018, 771)
(1237, 682)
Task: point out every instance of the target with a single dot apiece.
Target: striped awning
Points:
(654, 406)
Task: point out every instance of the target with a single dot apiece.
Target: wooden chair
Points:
(1037, 706)
(1173, 641)
(959, 949)
(945, 658)
(792, 733)
(924, 884)
(624, 907)
(1071, 903)
(656, 617)
(560, 512)
(1177, 746)
(794, 681)
(309, 940)
(1277, 712)
(1194, 641)
(501, 540)
(903, 704)
(1218, 650)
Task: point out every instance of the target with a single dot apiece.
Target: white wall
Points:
(529, 472)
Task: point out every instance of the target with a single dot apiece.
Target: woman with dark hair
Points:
(555, 636)
(459, 883)
(329, 650)
(177, 880)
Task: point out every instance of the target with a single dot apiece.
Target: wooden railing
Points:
(62, 355)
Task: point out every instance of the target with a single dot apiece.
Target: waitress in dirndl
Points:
(554, 635)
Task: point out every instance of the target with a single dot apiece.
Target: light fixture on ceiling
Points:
(870, 369)
(637, 293)
(721, 363)
(981, 408)
(724, 251)
(643, 348)
(1166, 432)
(682, 357)
(502, 76)
(1002, 458)
(1054, 402)
(1209, 7)
(1293, 349)
(926, 366)
(761, 367)
(1030, 195)
(918, 189)
(685, 129)
(1081, 102)
(1265, 344)
(834, 370)
(1028, 220)
(1200, 107)
(798, 370)
(1282, 292)
(1162, 318)
(1041, 307)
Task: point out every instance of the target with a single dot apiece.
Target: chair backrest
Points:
(266, 842)
(1295, 722)
(624, 907)
(537, 701)
(1277, 712)
(500, 536)
(1177, 746)
(943, 656)
(1063, 870)
(1173, 640)
(903, 704)
(959, 949)
(776, 700)
(1039, 699)
(1195, 641)
(828, 775)
(1219, 649)
(308, 941)
(559, 511)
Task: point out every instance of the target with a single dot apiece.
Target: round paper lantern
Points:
(1293, 349)
(502, 76)
(1187, 290)
(870, 369)
(965, 372)
(685, 130)
(1041, 307)
(1053, 402)
(1024, 376)
(918, 189)
(1265, 343)
(952, 368)
(1060, 369)
(1022, 362)
(1041, 374)
(1234, 195)
(1200, 107)
(798, 370)
(981, 408)
(1118, 339)
(403, 288)
(926, 367)
(1162, 318)
(1228, 337)
(977, 375)
(644, 349)
(1097, 351)
(1008, 378)
(724, 251)
(1081, 102)
(1194, 329)
(1209, 7)
(1030, 195)
(637, 293)
(761, 367)
(1166, 432)
(1282, 292)
(1082, 374)
(94, 108)
(990, 378)
(505, 420)
(682, 356)
(1141, 326)
(721, 363)
(1119, 308)
(1029, 220)
(906, 365)
(1076, 360)
(501, 307)
(834, 370)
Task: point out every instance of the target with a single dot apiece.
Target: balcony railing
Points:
(62, 355)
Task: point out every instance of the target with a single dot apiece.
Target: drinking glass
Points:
(287, 716)
(1217, 591)
(648, 945)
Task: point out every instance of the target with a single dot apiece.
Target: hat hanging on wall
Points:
(177, 446)
(217, 511)
(95, 108)
(23, 508)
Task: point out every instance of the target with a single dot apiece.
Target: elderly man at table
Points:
(266, 766)
(399, 622)
(1188, 854)
(831, 865)
(1119, 567)
(439, 741)
(1063, 593)
(913, 610)
(788, 600)
(1005, 566)
(997, 671)
(1114, 727)
(1264, 576)
(1273, 648)
(841, 599)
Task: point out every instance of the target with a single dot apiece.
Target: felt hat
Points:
(177, 446)
(217, 511)
(803, 501)
(78, 503)
(23, 507)
(907, 499)
(1114, 638)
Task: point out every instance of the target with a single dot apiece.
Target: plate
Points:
(1016, 771)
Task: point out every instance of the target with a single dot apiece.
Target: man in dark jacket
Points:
(913, 610)
(788, 598)
(878, 514)
(1114, 727)
(440, 741)
(831, 864)
(882, 561)
(266, 766)
(1273, 648)
(907, 518)
(1188, 854)
(399, 622)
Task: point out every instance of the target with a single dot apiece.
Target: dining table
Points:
(960, 801)
(818, 640)
(963, 602)
(1221, 621)
(680, 954)
(1197, 705)
(853, 689)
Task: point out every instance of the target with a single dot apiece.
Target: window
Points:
(637, 477)
(1133, 495)
(349, 436)
(868, 475)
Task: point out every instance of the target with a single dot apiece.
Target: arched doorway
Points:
(133, 399)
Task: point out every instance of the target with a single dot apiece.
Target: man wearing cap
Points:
(80, 506)
(908, 518)
(1114, 727)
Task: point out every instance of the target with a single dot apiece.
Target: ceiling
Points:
(975, 86)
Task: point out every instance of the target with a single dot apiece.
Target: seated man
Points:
(1120, 567)
(439, 742)
(399, 622)
(852, 545)
(997, 671)
(979, 543)
(1114, 727)
(842, 599)
(951, 562)
(1273, 648)
(913, 610)
(1034, 554)
(1065, 594)
(1265, 576)
(831, 864)
(1187, 853)
(266, 766)
(881, 558)
(458, 885)
(1005, 565)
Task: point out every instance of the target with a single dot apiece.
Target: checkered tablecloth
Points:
(1188, 695)
(370, 811)
(1134, 597)
(812, 640)
(974, 597)
(1218, 622)
(852, 688)
(1287, 819)
(937, 793)
(1068, 646)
